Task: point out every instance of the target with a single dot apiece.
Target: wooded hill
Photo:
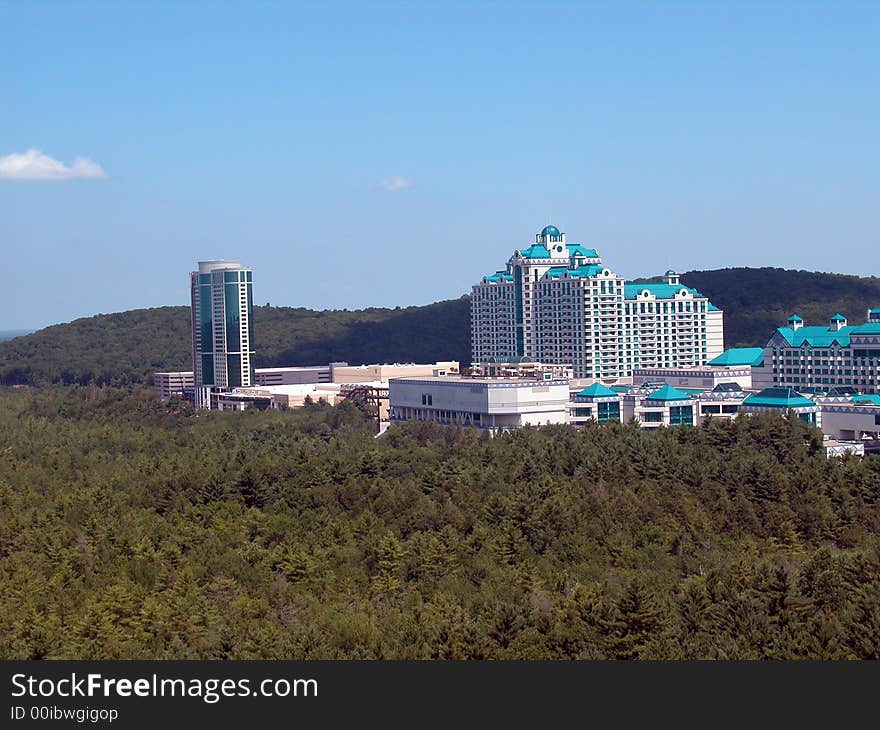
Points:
(126, 347)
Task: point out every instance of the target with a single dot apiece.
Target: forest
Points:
(136, 528)
(125, 348)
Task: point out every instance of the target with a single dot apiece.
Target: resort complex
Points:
(558, 338)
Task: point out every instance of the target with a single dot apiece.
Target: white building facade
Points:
(222, 328)
(485, 404)
(557, 302)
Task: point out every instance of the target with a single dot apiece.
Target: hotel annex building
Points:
(556, 302)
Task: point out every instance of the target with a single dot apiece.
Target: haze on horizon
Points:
(380, 154)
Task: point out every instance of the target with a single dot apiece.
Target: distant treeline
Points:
(757, 301)
(132, 528)
(124, 348)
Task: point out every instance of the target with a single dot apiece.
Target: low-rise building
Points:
(523, 367)
(344, 373)
(856, 418)
(177, 383)
(663, 406)
(292, 375)
(482, 403)
(722, 402)
(595, 402)
(782, 400)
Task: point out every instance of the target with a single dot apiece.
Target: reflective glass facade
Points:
(223, 331)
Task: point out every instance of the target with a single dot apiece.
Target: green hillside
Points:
(757, 301)
(125, 347)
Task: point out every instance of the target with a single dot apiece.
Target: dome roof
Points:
(550, 231)
(671, 273)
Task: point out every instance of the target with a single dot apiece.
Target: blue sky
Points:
(383, 154)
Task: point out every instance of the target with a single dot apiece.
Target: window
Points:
(681, 415)
(609, 411)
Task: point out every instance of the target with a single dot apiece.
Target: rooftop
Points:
(870, 399)
(597, 390)
(815, 336)
(668, 393)
(661, 290)
(464, 379)
(739, 356)
(778, 398)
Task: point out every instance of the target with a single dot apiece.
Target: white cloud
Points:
(34, 165)
(398, 182)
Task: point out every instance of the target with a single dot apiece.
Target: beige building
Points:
(344, 373)
(522, 368)
(705, 377)
(170, 384)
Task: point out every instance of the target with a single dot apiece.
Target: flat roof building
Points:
(482, 403)
(177, 383)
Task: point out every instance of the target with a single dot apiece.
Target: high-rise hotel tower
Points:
(222, 328)
(556, 302)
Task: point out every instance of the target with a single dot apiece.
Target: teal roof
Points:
(536, 251)
(778, 398)
(661, 291)
(597, 390)
(838, 318)
(795, 318)
(874, 311)
(713, 308)
(668, 393)
(816, 336)
(499, 276)
(575, 249)
(586, 271)
(550, 231)
(871, 328)
(740, 356)
(872, 399)
(581, 272)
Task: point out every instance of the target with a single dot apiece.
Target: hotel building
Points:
(820, 358)
(222, 328)
(557, 302)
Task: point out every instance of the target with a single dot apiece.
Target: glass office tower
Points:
(222, 328)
